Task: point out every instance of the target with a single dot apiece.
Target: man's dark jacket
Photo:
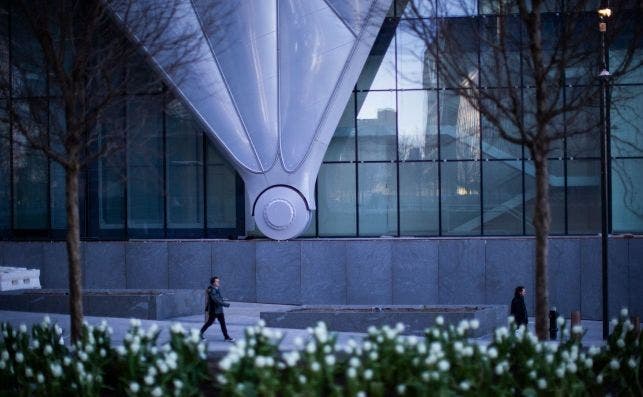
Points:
(519, 310)
(216, 302)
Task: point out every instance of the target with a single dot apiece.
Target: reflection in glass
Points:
(28, 65)
(585, 120)
(221, 187)
(145, 163)
(460, 198)
(5, 179)
(336, 200)
(627, 195)
(583, 196)
(458, 37)
(184, 161)
(57, 183)
(453, 8)
(379, 71)
(419, 198)
(502, 197)
(342, 145)
(418, 125)
(30, 169)
(111, 172)
(377, 199)
(416, 67)
(627, 121)
(459, 127)
(493, 145)
(556, 196)
(376, 125)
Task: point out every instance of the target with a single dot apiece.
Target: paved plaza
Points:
(239, 316)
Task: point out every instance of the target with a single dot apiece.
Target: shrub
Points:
(442, 362)
(40, 364)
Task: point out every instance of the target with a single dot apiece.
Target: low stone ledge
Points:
(357, 318)
(143, 304)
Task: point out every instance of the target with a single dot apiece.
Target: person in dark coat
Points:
(214, 308)
(518, 307)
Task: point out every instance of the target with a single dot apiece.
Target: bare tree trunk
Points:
(541, 224)
(73, 251)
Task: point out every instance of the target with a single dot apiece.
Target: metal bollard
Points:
(575, 319)
(553, 326)
(636, 320)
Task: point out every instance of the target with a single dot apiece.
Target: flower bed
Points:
(38, 363)
(443, 363)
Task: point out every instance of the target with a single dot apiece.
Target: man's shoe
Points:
(229, 339)
(202, 337)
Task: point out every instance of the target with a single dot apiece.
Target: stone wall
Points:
(355, 271)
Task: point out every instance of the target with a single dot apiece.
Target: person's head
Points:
(520, 291)
(215, 281)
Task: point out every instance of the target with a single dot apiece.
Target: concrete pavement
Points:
(238, 316)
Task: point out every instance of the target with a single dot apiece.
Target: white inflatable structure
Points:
(269, 87)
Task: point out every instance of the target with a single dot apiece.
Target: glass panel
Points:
(28, 65)
(145, 163)
(379, 71)
(626, 115)
(460, 198)
(30, 167)
(419, 199)
(502, 197)
(583, 123)
(493, 145)
(58, 198)
(556, 196)
(376, 125)
(500, 52)
(583, 49)
(111, 172)
(221, 188)
(57, 134)
(459, 127)
(336, 200)
(416, 66)
(458, 42)
(342, 145)
(583, 196)
(4, 49)
(415, 8)
(555, 127)
(418, 125)
(5, 169)
(627, 195)
(457, 7)
(184, 160)
(619, 49)
(377, 199)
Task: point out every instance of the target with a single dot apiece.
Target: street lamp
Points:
(604, 76)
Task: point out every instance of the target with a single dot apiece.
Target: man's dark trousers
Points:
(216, 316)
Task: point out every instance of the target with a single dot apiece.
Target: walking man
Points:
(214, 308)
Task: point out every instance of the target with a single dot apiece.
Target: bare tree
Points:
(78, 65)
(531, 72)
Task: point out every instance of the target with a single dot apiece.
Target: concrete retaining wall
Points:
(355, 271)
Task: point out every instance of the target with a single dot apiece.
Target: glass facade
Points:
(410, 157)
(167, 181)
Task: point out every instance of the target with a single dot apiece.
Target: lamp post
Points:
(604, 76)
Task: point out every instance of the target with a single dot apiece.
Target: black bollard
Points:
(553, 325)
